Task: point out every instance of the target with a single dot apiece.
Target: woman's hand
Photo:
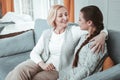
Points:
(99, 42)
(47, 67)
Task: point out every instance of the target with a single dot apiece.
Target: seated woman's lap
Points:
(46, 75)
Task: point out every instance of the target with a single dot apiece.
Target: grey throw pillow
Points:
(17, 44)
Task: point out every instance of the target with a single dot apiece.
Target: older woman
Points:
(54, 50)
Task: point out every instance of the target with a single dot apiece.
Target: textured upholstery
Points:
(16, 44)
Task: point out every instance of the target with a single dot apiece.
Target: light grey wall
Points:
(78, 5)
(114, 14)
(17, 6)
(109, 8)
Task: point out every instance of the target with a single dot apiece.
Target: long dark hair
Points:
(94, 14)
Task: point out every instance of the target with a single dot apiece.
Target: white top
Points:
(55, 46)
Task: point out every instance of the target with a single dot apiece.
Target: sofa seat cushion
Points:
(8, 63)
(17, 44)
(109, 74)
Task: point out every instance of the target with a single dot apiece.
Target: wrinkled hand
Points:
(99, 42)
(47, 67)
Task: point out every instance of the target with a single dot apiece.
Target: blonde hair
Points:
(52, 14)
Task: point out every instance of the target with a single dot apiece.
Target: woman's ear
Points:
(89, 22)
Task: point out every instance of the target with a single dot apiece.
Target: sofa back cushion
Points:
(17, 44)
(40, 26)
(113, 44)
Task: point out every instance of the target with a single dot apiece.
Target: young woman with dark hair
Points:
(85, 60)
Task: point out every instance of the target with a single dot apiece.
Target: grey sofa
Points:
(16, 49)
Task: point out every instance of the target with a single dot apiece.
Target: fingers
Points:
(50, 67)
(98, 49)
(94, 45)
(93, 39)
(98, 44)
(95, 48)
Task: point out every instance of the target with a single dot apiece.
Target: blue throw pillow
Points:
(17, 44)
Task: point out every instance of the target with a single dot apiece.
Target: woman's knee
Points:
(21, 67)
(46, 75)
(24, 71)
(26, 67)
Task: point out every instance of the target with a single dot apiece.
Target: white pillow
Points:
(18, 27)
(15, 17)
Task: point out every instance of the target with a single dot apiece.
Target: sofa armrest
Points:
(109, 74)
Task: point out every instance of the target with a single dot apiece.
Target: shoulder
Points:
(82, 37)
(90, 44)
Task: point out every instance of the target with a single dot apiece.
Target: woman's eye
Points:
(66, 14)
(60, 16)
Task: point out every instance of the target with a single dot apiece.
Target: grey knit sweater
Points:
(86, 63)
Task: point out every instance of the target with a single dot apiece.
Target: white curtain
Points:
(23, 7)
(41, 7)
(35, 8)
(27, 7)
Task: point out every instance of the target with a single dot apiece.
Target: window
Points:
(35, 8)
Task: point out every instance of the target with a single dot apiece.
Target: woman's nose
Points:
(65, 17)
